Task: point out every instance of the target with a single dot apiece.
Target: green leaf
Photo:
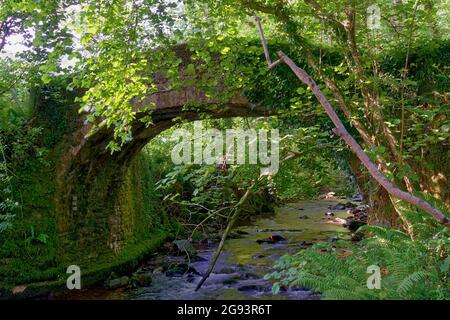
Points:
(190, 69)
(445, 265)
(225, 50)
(46, 78)
(276, 288)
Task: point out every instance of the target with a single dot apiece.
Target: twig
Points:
(207, 218)
(266, 49)
(405, 76)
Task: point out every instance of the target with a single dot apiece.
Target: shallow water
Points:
(243, 263)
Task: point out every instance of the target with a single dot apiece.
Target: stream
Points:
(243, 263)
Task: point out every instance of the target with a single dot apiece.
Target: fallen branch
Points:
(342, 132)
(224, 237)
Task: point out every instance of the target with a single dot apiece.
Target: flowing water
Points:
(243, 263)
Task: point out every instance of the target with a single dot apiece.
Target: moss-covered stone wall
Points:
(111, 223)
(136, 227)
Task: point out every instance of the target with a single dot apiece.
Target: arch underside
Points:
(93, 176)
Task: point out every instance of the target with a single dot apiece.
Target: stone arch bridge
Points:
(90, 214)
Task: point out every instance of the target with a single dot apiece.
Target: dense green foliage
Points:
(206, 193)
(87, 64)
(410, 269)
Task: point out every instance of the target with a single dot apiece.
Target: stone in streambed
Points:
(329, 196)
(184, 246)
(253, 287)
(250, 275)
(237, 234)
(272, 239)
(141, 279)
(340, 221)
(117, 282)
(227, 270)
(343, 206)
(339, 206)
(353, 224)
(233, 235)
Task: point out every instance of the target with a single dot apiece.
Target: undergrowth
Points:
(411, 266)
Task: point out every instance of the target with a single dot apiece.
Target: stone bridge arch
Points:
(90, 178)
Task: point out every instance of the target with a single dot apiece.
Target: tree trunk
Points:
(380, 209)
(342, 132)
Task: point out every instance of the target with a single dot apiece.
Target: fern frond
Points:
(408, 283)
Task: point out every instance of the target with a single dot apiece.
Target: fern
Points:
(407, 284)
(388, 235)
(345, 294)
(411, 269)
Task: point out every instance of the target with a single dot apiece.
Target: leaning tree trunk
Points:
(342, 132)
(371, 133)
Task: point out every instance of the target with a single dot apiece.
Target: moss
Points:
(97, 272)
(25, 259)
(143, 227)
(138, 226)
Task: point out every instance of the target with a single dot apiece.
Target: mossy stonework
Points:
(96, 209)
(109, 227)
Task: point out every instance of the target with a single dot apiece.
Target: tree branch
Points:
(230, 225)
(341, 131)
(264, 42)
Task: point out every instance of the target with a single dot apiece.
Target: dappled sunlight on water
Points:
(240, 269)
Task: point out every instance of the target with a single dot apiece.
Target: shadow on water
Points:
(245, 260)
